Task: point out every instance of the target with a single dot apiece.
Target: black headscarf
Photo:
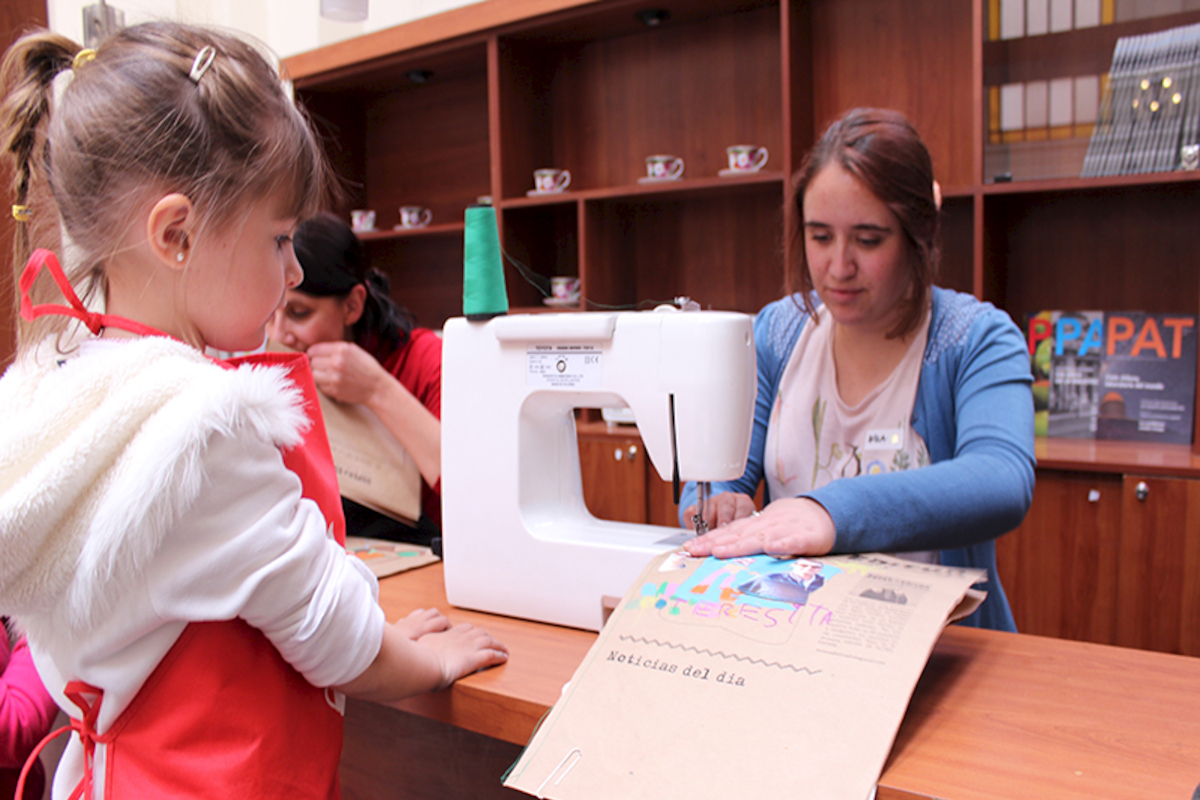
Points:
(334, 262)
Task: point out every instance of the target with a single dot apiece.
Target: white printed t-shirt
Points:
(813, 437)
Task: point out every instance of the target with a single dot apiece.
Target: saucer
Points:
(540, 193)
(555, 302)
(659, 180)
(410, 227)
(731, 173)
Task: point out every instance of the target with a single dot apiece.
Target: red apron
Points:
(222, 715)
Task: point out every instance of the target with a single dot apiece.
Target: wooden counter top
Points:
(994, 715)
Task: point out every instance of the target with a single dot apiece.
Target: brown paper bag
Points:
(373, 469)
(747, 677)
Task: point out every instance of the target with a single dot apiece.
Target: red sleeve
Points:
(26, 709)
(418, 367)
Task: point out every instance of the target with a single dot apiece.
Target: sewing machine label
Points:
(563, 366)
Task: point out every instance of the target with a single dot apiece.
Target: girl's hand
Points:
(721, 509)
(345, 371)
(422, 621)
(795, 526)
(463, 649)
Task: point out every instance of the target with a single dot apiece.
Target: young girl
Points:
(184, 597)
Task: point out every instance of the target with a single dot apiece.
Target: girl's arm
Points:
(405, 666)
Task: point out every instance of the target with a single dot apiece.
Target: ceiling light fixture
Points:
(344, 10)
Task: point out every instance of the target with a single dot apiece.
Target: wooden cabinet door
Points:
(1159, 565)
(1059, 568)
(614, 477)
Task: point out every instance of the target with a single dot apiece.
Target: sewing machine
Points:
(517, 536)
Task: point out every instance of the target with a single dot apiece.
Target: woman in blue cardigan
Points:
(920, 394)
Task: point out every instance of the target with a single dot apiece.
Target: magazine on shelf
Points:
(1150, 107)
(1126, 375)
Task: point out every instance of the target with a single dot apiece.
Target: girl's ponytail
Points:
(27, 77)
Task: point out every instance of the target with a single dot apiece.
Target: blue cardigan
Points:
(974, 409)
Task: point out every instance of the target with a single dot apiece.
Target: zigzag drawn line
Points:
(718, 653)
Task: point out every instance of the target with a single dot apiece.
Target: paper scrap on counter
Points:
(387, 558)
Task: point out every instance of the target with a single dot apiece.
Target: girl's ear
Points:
(170, 221)
(353, 305)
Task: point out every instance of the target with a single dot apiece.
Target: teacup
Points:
(746, 157)
(551, 180)
(564, 287)
(415, 216)
(1189, 156)
(664, 167)
(362, 219)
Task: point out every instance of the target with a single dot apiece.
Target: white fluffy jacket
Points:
(142, 488)
(100, 455)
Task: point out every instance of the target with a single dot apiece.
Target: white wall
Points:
(287, 26)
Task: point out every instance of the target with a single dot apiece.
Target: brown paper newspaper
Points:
(749, 677)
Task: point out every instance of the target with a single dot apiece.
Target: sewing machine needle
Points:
(698, 522)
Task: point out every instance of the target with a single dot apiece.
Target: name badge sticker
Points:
(884, 439)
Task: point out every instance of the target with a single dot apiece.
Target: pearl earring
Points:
(179, 256)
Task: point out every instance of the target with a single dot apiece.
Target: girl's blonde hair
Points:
(140, 119)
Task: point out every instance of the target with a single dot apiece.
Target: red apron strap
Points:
(94, 322)
(33, 757)
(78, 693)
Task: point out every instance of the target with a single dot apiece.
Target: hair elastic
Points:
(22, 213)
(203, 61)
(82, 57)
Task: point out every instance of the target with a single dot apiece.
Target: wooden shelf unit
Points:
(588, 87)
(517, 85)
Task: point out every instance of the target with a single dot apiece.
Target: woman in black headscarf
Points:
(365, 349)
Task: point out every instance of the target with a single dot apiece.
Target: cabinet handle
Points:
(1141, 491)
(621, 455)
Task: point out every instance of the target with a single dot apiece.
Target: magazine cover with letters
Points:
(746, 677)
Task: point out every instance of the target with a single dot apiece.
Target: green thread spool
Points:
(484, 294)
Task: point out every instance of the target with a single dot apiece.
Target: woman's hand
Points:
(721, 509)
(794, 526)
(349, 374)
(346, 372)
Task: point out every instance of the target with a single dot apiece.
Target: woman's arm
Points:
(979, 493)
(349, 374)
(984, 489)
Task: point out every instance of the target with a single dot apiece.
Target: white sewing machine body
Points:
(517, 536)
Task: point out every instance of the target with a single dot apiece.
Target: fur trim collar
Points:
(102, 452)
